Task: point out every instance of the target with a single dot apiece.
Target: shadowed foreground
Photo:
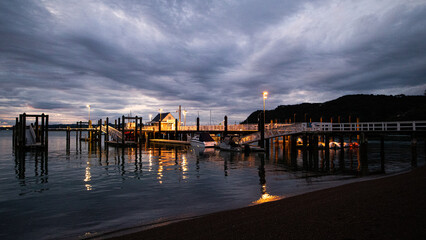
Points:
(388, 208)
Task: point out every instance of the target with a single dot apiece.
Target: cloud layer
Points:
(121, 56)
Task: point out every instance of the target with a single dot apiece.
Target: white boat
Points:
(202, 140)
(230, 144)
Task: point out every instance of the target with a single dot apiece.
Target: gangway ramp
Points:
(114, 133)
(30, 136)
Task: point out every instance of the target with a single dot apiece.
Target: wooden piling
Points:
(37, 131)
(225, 123)
(176, 130)
(68, 140)
(24, 126)
(198, 124)
(15, 133)
(136, 129)
(79, 132)
(107, 131)
(100, 133)
(122, 131)
(46, 133)
(304, 151)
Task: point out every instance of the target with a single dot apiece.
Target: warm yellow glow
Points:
(266, 197)
(184, 167)
(88, 105)
(160, 171)
(88, 177)
(265, 95)
(150, 161)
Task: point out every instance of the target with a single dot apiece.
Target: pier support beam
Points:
(68, 136)
(107, 132)
(122, 130)
(225, 123)
(176, 130)
(198, 124)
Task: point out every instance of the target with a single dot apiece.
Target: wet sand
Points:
(387, 208)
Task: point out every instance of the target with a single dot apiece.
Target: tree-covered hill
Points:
(367, 108)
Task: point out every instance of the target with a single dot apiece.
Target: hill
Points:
(368, 108)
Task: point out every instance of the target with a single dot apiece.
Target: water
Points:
(88, 191)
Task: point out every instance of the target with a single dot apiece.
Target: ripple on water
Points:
(91, 190)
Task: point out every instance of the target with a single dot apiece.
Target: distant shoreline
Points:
(385, 208)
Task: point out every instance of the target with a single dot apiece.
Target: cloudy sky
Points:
(139, 56)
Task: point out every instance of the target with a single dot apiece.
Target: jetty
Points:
(131, 132)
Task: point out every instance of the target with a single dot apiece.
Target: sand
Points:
(387, 208)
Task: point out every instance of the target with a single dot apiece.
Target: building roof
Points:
(157, 118)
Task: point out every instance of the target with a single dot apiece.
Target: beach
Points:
(393, 207)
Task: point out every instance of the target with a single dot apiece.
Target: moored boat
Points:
(230, 144)
(202, 140)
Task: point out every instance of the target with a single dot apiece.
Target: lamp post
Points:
(88, 106)
(265, 96)
(184, 117)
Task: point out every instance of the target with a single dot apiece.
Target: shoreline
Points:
(352, 203)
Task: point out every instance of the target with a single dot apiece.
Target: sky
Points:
(214, 58)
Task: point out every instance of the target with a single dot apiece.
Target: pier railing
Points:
(236, 127)
(370, 126)
(289, 129)
(315, 126)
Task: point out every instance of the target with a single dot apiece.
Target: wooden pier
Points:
(32, 136)
(130, 132)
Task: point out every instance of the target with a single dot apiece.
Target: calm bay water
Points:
(88, 191)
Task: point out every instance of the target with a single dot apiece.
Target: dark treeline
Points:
(367, 108)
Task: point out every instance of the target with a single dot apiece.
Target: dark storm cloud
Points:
(122, 56)
(50, 105)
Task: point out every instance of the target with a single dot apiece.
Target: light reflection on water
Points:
(92, 190)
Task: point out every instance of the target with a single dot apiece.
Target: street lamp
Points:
(184, 117)
(265, 96)
(88, 106)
